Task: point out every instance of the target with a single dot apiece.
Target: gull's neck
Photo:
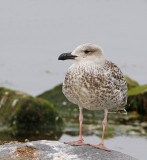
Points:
(97, 61)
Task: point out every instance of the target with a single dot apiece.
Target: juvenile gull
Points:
(94, 83)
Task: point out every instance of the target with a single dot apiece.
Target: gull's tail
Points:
(122, 111)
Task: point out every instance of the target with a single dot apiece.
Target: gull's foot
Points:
(76, 143)
(100, 146)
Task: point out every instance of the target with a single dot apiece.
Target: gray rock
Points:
(54, 150)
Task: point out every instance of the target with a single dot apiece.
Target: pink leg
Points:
(101, 145)
(79, 142)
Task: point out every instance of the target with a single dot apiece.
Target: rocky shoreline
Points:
(42, 117)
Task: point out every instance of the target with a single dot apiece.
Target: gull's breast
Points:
(93, 87)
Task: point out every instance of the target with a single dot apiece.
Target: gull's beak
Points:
(66, 56)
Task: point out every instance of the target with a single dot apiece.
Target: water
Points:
(34, 33)
(129, 137)
(131, 145)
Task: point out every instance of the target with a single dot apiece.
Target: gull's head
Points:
(85, 53)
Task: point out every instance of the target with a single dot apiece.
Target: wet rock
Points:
(67, 109)
(27, 115)
(55, 150)
(137, 99)
(144, 125)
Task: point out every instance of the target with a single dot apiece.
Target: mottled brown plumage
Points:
(95, 87)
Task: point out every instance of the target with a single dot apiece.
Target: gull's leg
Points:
(79, 142)
(104, 123)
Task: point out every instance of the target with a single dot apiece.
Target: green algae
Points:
(137, 90)
(130, 82)
(137, 99)
(27, 115)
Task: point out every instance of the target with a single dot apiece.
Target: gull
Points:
(94, 83)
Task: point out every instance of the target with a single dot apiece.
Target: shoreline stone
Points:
(26, 115)
(55, 150)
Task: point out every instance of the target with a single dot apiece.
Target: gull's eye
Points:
(86, 51)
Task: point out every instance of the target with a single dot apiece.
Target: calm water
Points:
(34, 33)
(129, 137)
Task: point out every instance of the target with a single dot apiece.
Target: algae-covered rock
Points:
(131, 83)
(137, 99)
(137, 90)
(28, 115)
(67, 109)
(60, 102)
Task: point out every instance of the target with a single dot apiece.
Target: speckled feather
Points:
(96, 87)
